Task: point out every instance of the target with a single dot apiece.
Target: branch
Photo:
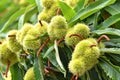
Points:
(42, 46)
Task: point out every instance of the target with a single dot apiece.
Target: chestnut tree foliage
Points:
(60, 40)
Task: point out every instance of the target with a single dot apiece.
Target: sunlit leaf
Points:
(67, 11)
(91, 9)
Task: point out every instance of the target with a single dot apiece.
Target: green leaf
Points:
(67, 11)
(112, 44)
(110, 31)
(91, 9)
(115, 57)
(12, 19)
(28, 14)
(110, 21)
(31, 1)
(38, 2)
(114, 8)
(8, 15)
(21, 22)
(38, 69)
(17, 72)
(80, 5)
(111, 70)
(111, 50)
(115, 40)
(1, 77)
(93, 20)
(58, 59)
(48, 51)
(52, 57)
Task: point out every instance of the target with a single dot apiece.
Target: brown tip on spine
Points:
(7, 69)
(40, 23)
(93, 45)
(60, 40)
(48, 63)
(58, 11)
(103, 36)
(46, 71)
(11, 35)
(78, 35)
(42, 46)
(0, 42)
(74, 77)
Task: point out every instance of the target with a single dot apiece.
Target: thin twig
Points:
(48, 63)
(42, 46)
(103, 36)
(78, 35)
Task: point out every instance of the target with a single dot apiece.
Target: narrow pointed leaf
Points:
(111, 70)
(111, 50)
(114, 8)
(17, 73)
(110, 21)
(58, 58)
(67, 11)
(1, 77)
(12, 19)
(48, 51)
(110, 31)
(38, 69)
(91, 9)
(80, 5)
(38, 2)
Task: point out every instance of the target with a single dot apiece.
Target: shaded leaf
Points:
(17, 73)
(111, 70)
(58, 58)
(112, 44)
(38, 69)
(110, 21)
(48, 51)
